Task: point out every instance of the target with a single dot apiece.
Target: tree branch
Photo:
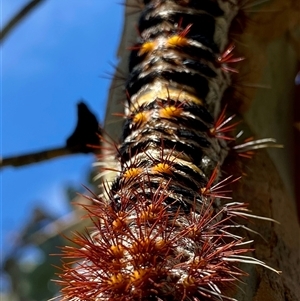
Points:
(26, 159)
(21, 14)
(84, 139)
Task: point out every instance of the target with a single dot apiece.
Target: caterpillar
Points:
(163, 227)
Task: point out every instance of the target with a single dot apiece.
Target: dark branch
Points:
(84, 139)
(22, 13)
(35, 157)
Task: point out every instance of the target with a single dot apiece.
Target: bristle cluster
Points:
(148, 251)
(162, 228)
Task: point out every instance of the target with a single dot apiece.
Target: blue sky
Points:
(55, 57)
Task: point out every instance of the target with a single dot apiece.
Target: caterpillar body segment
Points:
(163, 230)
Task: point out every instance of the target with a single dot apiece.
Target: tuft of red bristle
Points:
(148, 250)
(227, 58)
(221, 127)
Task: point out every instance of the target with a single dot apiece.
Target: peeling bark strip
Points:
(163, 230)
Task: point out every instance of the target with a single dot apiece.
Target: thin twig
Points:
(21, 14)
(26, 159)
(84, 139)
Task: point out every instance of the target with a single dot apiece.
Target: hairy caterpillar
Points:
(161, 233)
